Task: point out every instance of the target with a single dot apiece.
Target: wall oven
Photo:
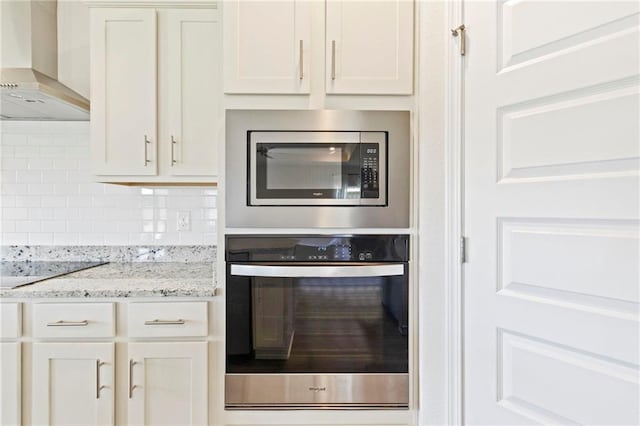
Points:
(317, 321)
(331, 169)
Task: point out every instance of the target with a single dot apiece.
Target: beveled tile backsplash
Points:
(48, 196)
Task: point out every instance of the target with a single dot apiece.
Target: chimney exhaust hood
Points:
(29, 89)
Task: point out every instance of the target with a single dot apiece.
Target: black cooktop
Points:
(16, 274)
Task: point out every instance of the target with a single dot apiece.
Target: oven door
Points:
(317, 168)
(317, 336)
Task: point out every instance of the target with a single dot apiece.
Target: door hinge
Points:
(463, 249)
(460, 30)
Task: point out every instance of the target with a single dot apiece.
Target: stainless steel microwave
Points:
(317, 169)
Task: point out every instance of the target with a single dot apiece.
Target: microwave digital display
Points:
(324, 168)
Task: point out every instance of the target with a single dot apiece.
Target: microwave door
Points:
(317, 168)
(307, 173)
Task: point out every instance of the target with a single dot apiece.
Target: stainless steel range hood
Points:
(29, 89)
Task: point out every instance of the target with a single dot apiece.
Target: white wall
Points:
(48, 196)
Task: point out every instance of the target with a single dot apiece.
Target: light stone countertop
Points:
(135, 279)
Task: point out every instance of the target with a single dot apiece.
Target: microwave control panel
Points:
(370, 184)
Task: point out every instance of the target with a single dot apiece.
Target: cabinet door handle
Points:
(99, 387)
(178, 321)
(333, 59)
(174, 142)
(131, 385)
(301, 59)
(146, 143)
(63, 323)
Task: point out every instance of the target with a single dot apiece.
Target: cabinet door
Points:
(369, 47)
(123, 91)
(168, 383)
(10, 383)
(73, 384)
(190, 77)
(267, 46)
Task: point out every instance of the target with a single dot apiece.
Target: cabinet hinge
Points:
(460, 30)
(463, 249)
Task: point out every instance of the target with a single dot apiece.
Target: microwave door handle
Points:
(393, 269)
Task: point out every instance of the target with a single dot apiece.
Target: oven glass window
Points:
(317, 325)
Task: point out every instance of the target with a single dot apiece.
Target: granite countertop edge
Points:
(125, 280)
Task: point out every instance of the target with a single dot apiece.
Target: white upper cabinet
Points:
(190, 90)
(156, 94)
(369, 47)
(267, 46)
(123, 91)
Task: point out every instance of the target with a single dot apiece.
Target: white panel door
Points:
(73, 384)
(552, 154)
(123, 91)
(10, 389)
(190, 77)
(267, 46)
(168, 384)
(369, 47)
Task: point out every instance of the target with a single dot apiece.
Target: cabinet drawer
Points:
(168, 319)
(71, 320)
(10, 321)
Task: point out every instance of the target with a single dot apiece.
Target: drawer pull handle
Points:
(63, 323)
(179, 321)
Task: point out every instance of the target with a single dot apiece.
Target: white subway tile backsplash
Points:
(53, 226)
(7, 176)
(14, 213)
(13, 188)
(27, 152)
(9, 163)
(40, 164)
(53, 201)
(26, 201)
(43, 213)
(39, 189)
(91, 239)
(8, 201)
(48, 195)
(66, 213)
(27, 226)
(15, 238)
(28, 176)
(40, 239)
(13, 139)
(65, 238)
(54, 152)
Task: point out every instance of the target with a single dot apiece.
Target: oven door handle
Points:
(385, 270)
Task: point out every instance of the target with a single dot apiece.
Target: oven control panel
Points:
(339, 252)
(317, 248)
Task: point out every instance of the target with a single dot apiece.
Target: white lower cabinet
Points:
(73, 384)
(10, 383)
(167, 383)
